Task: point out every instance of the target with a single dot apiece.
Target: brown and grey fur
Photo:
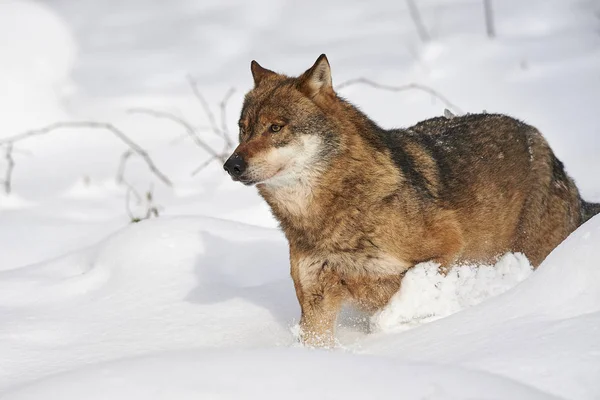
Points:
(361, 205)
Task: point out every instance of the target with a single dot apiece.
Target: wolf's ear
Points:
(317, 79)
(259, 73)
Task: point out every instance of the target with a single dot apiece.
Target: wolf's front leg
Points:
(320, 293)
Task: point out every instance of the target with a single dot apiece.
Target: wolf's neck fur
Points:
(292, 198)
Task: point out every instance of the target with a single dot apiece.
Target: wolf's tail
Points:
(588, 210)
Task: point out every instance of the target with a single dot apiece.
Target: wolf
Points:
(360, 205)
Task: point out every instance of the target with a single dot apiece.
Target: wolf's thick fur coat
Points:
(360, 205)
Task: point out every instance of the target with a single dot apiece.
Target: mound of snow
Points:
(13, 201)
(427, 295)
(37, 69)
(164, 284)
(272, 374)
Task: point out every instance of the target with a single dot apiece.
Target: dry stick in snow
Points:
(489, 18)
(93, 125)
(130, 189)
(202, 166)
(10, 165)
(121, 169)
(151, 208)
(219, 131)
(222, 131)
(223, 106)
(191, 131)
(416, 17)
(402, 88)
(205, 107)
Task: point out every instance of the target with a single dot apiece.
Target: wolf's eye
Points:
(275, 128)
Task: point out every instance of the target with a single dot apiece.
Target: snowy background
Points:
(198, 303)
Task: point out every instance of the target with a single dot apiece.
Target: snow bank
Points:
(272, 374)
(199, 283)
(34, 72)
(163, 284)
(427, 295)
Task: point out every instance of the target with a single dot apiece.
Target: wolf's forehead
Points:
(279, 99)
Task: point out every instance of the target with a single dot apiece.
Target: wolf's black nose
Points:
(235, 165)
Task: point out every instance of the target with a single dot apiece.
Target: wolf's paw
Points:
(303, 338)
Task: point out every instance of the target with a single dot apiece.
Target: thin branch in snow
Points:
(190, 130)
(489, 18)
(203, 165)
(151, 208)
(131, 189)
(209, 114)
(93, 125)
(10, 165)
(221, 131)
(223, 106)
(121, 169)
(416, 17)
(402, 88)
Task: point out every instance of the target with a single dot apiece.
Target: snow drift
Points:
(199, 283)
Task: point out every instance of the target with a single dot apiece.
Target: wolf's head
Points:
(285, 131)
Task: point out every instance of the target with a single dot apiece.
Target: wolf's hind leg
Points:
(448, 246)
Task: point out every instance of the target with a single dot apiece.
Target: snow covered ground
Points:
(198, 303)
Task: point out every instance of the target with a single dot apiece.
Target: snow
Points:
(258, 374)
(35, 68)
(427, 295)
(198, 302)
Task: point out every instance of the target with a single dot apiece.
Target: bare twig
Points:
(402, 88)
(151, 208)
(10, 165)
(130, 189)
(93, 125)
(221, 131)
(121, 169)
(209, 114)
(191, 131)
(223, 106)
(137, 195)
(203, 165)
(489, 18)
(416, 17)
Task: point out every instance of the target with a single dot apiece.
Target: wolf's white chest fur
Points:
(294, 199)
(293, 192)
